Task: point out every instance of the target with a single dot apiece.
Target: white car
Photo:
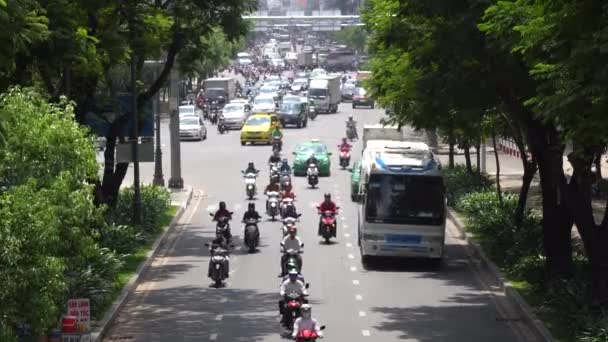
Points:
(264, 104)
(187, 110)
(299, 84)
(318, 73)
(191, 127)
(235, 114)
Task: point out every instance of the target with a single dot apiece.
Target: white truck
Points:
(220, 87)
(305, 59)
(325, 93)
(402, 204)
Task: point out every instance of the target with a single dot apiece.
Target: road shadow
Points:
(192, 314)
(449, 321)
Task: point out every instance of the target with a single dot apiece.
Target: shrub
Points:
(518, 249)
(122, 239)
(154, 202)
(460, 182)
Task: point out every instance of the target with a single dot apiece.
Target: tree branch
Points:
(176, 45)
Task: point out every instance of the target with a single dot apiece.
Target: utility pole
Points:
(135, 129)
(158, 155)
(176, 181)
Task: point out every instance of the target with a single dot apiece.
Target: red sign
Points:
(81, 309)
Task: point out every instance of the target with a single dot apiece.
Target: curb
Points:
(526, 312)
(99, 333)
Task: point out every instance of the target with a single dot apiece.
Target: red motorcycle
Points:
(344, 157)
(308, 335)
(291, 312)
(328, 224)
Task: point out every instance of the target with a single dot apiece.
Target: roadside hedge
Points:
(517, 251)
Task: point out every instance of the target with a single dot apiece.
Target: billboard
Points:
(108, 109)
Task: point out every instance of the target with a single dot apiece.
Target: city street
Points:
(393, 300)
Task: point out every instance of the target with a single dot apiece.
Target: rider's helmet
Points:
(305, 311)
(222, 205)
(293, 275)
(285, 162)
(345, 141)
(327, 197)
(251, 206)
(251, 166)
(350, 118)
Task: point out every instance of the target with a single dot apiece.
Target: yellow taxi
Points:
(257, 129)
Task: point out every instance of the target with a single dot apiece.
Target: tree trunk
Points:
(467, 155)
(498, 188)
(478, 157)
(597, 161)
(452, 143)
(595, 237)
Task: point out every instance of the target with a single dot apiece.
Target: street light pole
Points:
(158, 155)
(135, 128)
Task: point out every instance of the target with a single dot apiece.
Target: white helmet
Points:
(305, 310)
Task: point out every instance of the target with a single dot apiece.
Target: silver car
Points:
(348, 90)
(235, 115)
(191, 127)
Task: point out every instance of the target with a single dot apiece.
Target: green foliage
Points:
(42, 140)
(460, 182)
(154, 202)
(353, 36)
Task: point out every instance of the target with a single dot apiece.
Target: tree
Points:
(88, 41)
(46, 210)
(455, 69)
(563, 46)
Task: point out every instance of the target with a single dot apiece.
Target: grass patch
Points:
(132, 261)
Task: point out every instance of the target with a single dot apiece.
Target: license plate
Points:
(405, 239)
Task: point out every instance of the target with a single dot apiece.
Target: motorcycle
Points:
(291, 311)
(312, 174)
(252, 234)
(286, 202)
(219, 265)
(275, 170)
(277, 144)
(289, 222)
(292, 257)
(312, 112)
(272, 204)
(250, 188)
(221, 125)
(344, 157)
(351, 131)
(223, 226)
(328, 224)
(308, 335)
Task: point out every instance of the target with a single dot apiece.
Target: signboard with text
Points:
(81, 309)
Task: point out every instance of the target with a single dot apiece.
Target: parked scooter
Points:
(312, 174)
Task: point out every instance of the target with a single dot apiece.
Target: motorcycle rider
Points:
(274, 158)
(293, 242)
(326, 205)
(251, 169)
(218, 244)
(312, 160)
(351, 122)
(288, 286)
(306, 322)
(345, 145)
(251, 213)
(223, 212)
(272, 187)
(290, 211)
(285, 167)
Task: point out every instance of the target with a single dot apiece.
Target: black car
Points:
(219, 95)
(293, 113)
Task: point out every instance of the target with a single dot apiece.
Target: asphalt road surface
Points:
(391, 301)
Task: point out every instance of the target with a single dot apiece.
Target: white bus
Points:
(402, 203)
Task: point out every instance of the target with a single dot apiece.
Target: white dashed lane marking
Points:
(223, 300)
(346, 235)
(353, 269)
(355, 282)
(359, 297)
(350, 256)
(365, 333)
(362, 314)
(349, 245)
(213, 337)
(219, 317)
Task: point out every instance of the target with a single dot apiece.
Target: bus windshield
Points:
(405, 199)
